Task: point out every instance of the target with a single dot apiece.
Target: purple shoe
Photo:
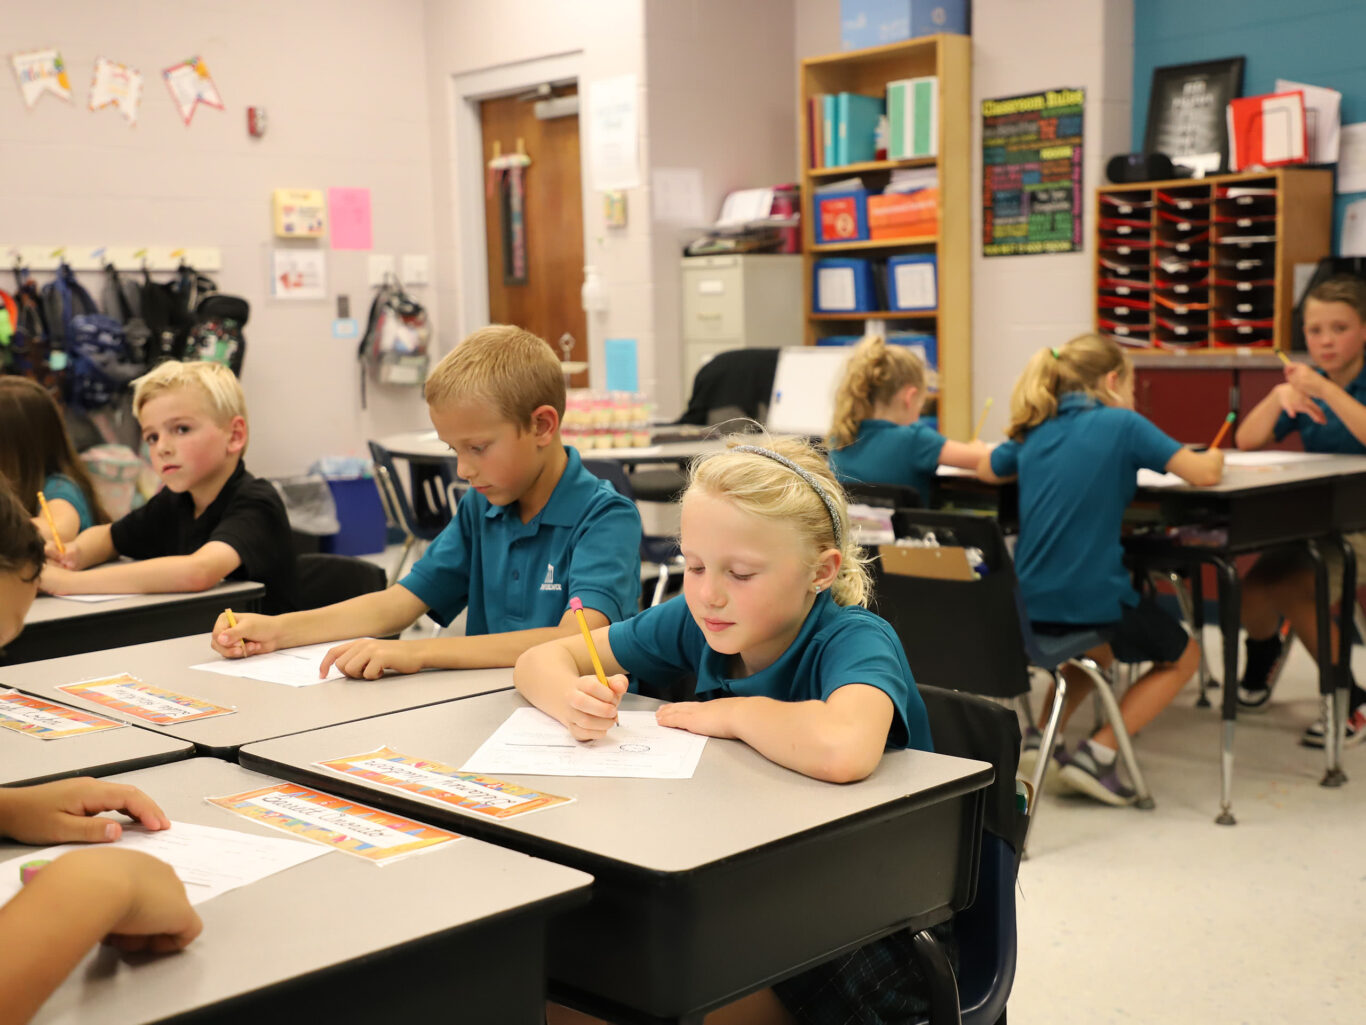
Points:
(1084, 775)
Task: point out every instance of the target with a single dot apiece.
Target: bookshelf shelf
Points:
(949, 59)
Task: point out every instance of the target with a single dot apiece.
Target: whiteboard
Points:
(804, 384)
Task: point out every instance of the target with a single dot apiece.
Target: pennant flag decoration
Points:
(116, 84)
(41, 71)
(190, 86)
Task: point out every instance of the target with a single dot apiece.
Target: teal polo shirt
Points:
(836, 645)
(1078, 471)
(888, 453)
(584, 544)
(59, 485)
(1332, 436)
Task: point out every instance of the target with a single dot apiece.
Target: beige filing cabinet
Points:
(737, 302)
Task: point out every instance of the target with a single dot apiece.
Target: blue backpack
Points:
(99, 365)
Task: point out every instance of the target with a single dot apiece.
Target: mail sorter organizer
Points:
(1209, 263)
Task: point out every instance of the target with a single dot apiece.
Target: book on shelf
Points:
(913, 118)
(856, 118)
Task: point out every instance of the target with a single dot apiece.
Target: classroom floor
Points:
(1164, 917)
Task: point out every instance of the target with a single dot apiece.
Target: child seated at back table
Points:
(772, 624)
(36, 455)
(1076, 445)
(1326, 404)
(212, 520)
(878, 436)
(534, 529)
(128, 898)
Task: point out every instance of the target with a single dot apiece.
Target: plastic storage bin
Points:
(912, 282)
(843, 286)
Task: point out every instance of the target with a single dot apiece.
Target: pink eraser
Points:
(575, 605)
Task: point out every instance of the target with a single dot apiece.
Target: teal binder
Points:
(828, 119)
(856, 118)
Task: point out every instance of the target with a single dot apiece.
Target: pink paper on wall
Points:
(348, 211)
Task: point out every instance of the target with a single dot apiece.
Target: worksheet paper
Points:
(208, 860)
(1271, 457)
(92, 597)
(531, 743)
(292, 667)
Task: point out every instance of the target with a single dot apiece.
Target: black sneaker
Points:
(1264, 659)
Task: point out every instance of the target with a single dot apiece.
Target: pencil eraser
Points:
(575, 605)
(29, 869)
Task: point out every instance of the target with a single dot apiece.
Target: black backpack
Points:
(168, 309)
(216, 336)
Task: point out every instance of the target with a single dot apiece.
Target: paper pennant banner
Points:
(41, 71)
(190, 86)
(117, 84)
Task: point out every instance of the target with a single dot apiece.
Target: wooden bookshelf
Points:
(1182, 266)
(949, 58)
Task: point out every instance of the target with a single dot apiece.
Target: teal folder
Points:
(857, 116)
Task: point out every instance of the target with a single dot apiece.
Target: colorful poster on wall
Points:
(41, 71)
(1031, 173)
(190, 86)
(116, 84)
(298, 274)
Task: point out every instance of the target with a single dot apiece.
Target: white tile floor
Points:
(1163, 916)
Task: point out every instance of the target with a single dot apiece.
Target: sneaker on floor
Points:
(1083, 774)
(1356, 730)
(1254, 689)
(1029, 753)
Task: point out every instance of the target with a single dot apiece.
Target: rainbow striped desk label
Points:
(35, 717)
(127, 694)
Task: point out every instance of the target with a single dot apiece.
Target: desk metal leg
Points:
(1192, 601)
(1230, 616)
(1335, 726)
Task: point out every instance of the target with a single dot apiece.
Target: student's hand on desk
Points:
(708, 718)
(57, 580)
(1294, 401)
(70, 559)
(260, 634)
(153, 913)
(369, 659)
(592, 708)
(68, 811)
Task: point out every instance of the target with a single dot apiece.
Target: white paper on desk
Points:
(1321, 119)
(1152, 479)
(291, 667)
(531, 743)
(1352, 158)
(92, 597)
(1271, 457)
(208, 860)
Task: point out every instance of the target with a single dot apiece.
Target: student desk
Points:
(264, 710)
(419, 446)
(1259, 507)
(56, 626)
(457, 932)
(26, 759)
(705, 889)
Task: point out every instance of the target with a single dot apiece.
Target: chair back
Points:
(884, 496)
(961, 634)
(733, 383)
(326, 579)
(971, 727)
(396, 498)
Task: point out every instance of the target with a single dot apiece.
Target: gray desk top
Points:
(1296, 470)
(426, 445)
(46, 609)
(264, 710)
(325, 912)
(29, 759)
(736, 801)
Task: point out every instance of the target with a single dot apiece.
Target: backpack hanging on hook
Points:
(394, 345)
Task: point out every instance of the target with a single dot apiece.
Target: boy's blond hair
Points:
(1079, 366)
(502, 364)
(1342, 288)
(216, 384)
(767, 488)
(874, 374)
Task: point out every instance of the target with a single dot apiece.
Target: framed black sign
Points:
(1186, 112)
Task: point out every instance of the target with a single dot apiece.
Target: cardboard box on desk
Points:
(945, 562)
(894, 215)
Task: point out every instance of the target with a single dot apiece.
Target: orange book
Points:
(903, 214)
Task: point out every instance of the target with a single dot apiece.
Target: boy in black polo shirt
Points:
(212, 521)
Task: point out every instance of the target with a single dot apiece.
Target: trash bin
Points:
(361, 527)
(311, 509)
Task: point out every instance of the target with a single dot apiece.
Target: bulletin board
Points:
(1032, 190)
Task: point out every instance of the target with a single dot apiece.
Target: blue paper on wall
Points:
(622, 372)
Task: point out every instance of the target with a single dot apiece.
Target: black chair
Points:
(885, 496)
(733, 385)
(974, 635)
(967, 726)
(661, 551)
(440, 487)
(326, 579)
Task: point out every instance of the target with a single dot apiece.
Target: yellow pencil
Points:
(986, 408)
(232, 624)
(1284, 358)
(42, 501)
(577, 606)
(1228, 422)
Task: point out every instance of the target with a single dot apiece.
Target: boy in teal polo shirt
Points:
(534, 530)
(1326, 403)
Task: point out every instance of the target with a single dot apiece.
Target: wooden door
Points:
(546, 299)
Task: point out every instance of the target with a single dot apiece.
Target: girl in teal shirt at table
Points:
(772, 624)
(878, 436)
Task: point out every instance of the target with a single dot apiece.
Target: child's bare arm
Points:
(380, 613)
(839, 740)
(1351, 412)
(90, 547)
(966, 455)
(1203, 469)
(558, 679)
(169, 574)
